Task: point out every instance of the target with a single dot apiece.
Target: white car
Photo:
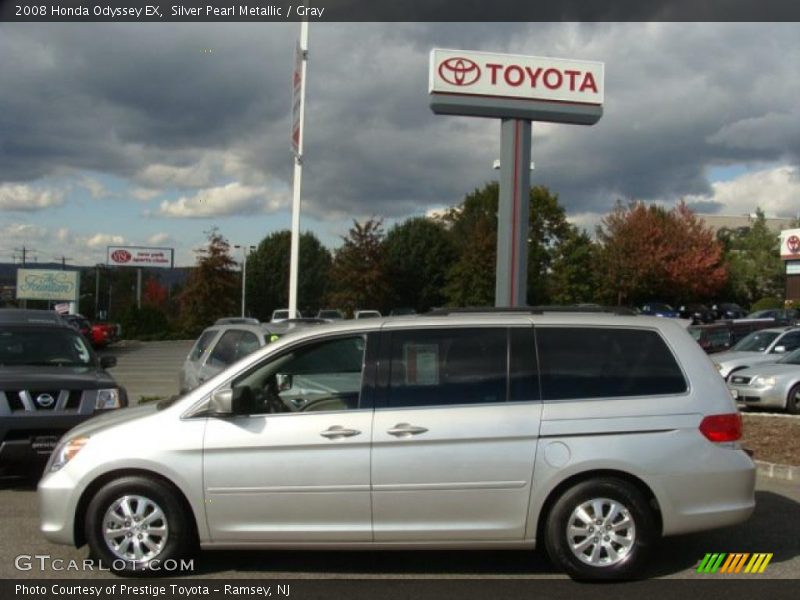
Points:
(759, 347)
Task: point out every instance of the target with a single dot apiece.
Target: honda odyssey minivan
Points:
(591, 435)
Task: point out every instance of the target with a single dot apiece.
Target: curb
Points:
(775, 471)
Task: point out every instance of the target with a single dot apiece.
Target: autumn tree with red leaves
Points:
(154, 294)
(650, 253)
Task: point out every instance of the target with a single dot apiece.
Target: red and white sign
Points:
(790, 244)
(140, 256)
(465, 72)
(297, 99)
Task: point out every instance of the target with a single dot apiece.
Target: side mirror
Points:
(284, 381)
(221, 402)
(106, 362)
(243, 401)
(779, 349)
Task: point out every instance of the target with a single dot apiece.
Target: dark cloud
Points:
(120, 99)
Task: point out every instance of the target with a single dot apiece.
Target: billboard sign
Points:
(465, 72)
(790, 244)
(44, 284)
(140, 256)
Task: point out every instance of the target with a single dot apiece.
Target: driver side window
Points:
(322, 376)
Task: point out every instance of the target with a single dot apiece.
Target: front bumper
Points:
(31, 438)
(58, 501)
(748, 395)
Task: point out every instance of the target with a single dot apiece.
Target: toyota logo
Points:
(121, 256)
(45, 400)
(459, 71)
(793, 243)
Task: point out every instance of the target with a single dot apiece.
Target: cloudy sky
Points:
(152, 134)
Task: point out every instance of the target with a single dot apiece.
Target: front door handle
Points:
(336, 432)
(406, 430)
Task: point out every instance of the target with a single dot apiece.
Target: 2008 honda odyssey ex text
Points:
(591, 434)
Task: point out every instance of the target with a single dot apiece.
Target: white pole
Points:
(298, 177)
(244, 276)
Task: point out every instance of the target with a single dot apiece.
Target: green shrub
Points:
(144, 322)
(766, 303)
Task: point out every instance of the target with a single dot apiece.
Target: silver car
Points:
(763, 346)
(772, 385)
(592, 438)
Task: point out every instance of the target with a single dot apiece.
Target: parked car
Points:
(224, 343)
(50, 381)
(104, 334)
(367, 314)
(728, 310)
(456, 431)
(715, 337)
(772, 385)
(764, 346)
(330, 314)
(697, 313)
(281, 314)
(658, 309)
(402, 311)
(781, 316)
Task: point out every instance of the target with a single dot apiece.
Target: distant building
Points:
(717, 222)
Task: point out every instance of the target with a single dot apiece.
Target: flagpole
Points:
(297, 143)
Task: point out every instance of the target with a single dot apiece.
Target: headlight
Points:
(107, 399)
(765, 381)
(65, 452)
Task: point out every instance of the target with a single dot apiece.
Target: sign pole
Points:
(511, 283)
(299, 108)
(139, 288)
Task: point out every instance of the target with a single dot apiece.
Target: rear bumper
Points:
(720, 495)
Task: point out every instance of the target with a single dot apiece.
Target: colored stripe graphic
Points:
(725, 563)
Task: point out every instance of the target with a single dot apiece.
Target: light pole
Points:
(245, 251)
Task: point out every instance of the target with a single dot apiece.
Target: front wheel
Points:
(793, 400)
(600, 529)
(134, 524)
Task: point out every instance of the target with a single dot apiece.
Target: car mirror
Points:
(284, 381)
(221, 402)
(779, 349)
(243, 401)
(106, 362)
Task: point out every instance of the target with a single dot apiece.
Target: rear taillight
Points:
(722, 428)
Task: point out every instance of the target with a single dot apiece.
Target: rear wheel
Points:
(600, 529)
(133, 521)
(793, 400)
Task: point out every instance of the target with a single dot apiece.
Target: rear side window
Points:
(577, 362)
(434, 367)
(202, 345)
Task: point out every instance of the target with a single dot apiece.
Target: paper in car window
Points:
(422, 364)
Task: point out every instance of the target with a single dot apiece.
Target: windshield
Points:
(758, 341)
(793, 358)
(42, 346)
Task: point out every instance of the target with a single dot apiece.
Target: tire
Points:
(793, 400)
(146, 522)
(619, 557)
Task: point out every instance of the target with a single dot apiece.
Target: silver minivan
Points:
(591, 435)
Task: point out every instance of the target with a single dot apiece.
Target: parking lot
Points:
(775, 528)
(148, 369)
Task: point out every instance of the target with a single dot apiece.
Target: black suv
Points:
(50, 380)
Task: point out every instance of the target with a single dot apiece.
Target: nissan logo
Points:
(793, 244)
(45, 400)
(459, 71)
(121, 256)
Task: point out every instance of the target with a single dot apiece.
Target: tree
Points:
(154, 293)
(268, 274)
(419, 253)
(212, 288)
(359, 274)
(648, 252)
(572, 279)
(753, 257)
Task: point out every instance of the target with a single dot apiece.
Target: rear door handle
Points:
(336, 432)
(406, 430)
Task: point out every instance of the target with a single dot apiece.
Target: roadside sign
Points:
(139, 256)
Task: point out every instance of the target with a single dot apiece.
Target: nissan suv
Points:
(50, 381)
(591, 435)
